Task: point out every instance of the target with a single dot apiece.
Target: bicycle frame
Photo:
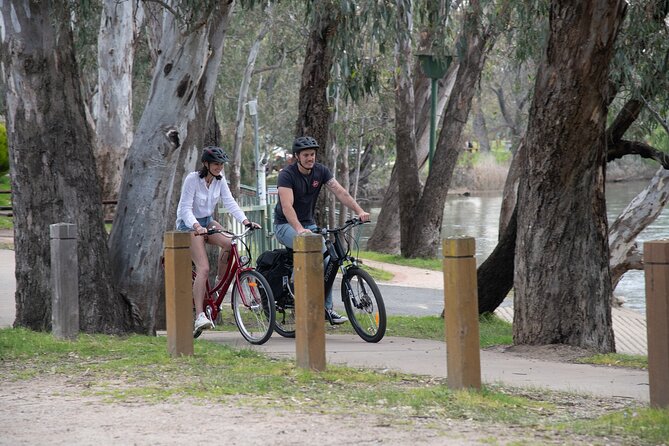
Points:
(213, 298)
(335, 256)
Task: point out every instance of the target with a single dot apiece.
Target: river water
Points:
(478, 216)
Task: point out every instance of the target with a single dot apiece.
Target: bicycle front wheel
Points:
(253, 307)
(364, 304)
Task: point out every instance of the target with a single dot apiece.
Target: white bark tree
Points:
(171, 128)
(236, 155)
(113, 102)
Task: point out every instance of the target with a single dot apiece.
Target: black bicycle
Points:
(360, 294)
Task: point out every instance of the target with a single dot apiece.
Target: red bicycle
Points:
(252, 299)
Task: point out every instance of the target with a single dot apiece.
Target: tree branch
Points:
(657, 116)
(623, 147)
(626, 117)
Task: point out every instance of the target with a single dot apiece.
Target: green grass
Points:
(138, 369)
(493, 330)
(5, 200)
(617, 360)
(432, 264)
(650, 425)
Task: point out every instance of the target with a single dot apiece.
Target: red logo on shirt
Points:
(315, 183)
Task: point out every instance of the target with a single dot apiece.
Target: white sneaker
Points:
(202, 323)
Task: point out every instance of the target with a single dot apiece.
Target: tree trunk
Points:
(236, 155)
(495, 275)
(177, 111)
(424, 239)
(386, 234)
(52, 167)
(113, 105)
(479, 125)
(405, 134)
(562, 283)
(313, 115)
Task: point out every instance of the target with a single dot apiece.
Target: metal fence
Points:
(261, 240)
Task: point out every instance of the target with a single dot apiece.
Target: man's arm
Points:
(346, 199)
(286, 198)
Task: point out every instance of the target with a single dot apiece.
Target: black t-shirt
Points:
(305, 191)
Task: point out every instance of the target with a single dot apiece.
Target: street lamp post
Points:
(261, 190)
(434, 68)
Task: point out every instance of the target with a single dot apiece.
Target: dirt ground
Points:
(58, 410)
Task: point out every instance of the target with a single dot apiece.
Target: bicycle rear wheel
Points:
(285, 316)
(364, 304)
(253, 307)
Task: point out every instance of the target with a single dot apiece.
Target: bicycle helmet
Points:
(214, 154)
(304, 142)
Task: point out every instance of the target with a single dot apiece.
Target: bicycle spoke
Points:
(253, 307)
(364, 305)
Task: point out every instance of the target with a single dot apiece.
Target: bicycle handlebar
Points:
(355, 221)
(227, 233)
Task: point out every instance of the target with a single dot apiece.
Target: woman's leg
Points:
(222, 242)
(199, 256)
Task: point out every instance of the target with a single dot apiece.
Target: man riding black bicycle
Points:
(299, 185)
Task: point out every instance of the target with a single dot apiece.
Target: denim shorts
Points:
(204, 222)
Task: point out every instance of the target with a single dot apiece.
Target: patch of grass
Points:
(617, 360)
(139, 369)
(433, 264)
(378, 275)
(493, 330)
(651, 426)
(5, 200)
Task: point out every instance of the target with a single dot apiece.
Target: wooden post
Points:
(309, 302)
(656, 270)
(461, 314)
(178, 294)
(64, 281)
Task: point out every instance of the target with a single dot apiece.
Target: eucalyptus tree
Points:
(171, 131)
(562, 280)
(52, 166)
(481, 23)
(639, 77)
(119, 23)
(236, 152)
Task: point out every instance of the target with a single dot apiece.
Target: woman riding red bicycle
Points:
(200, 193)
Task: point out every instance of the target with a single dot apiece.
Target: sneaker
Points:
(334, 318)
(202, 323)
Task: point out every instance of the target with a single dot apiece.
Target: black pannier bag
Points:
(277, 267)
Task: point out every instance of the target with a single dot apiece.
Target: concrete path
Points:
(422, 357)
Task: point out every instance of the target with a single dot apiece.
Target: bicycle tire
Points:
(284, 324)
(253, 307)
(366, 312)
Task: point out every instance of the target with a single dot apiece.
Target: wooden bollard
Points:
(309, 302)
(461, 314)
(64, 281)
(178, 294)
(656, 270)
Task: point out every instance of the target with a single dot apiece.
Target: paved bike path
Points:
(424, 357)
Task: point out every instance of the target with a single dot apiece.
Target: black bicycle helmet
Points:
(304, 142)
(214, 154)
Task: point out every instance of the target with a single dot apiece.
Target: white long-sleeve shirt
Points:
(199, 201)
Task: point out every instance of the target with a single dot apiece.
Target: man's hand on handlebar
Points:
(364, 216)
